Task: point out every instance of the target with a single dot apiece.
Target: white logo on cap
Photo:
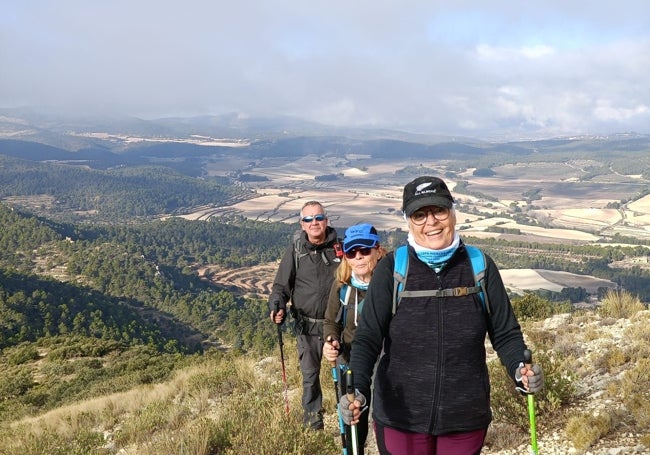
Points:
(422, 186)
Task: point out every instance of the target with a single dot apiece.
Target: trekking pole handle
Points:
(349, 385)
(329, 340)
(528, 358)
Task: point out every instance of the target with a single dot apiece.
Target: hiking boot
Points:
(313, 421)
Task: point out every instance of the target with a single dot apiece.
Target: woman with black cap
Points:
(361, 253)
(431, 391)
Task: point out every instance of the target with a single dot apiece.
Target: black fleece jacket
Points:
(432, 375)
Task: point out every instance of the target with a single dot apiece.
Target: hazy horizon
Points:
(465, 68)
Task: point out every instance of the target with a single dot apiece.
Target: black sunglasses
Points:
(309, 219)
(353, 253)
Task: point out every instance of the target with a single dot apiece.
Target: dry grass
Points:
(232, 404)
(620, 304)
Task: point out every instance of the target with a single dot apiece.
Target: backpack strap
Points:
(344, 294)
(400, 272)
(297, 248)
(344, 298)
(477, 257)
(299, 252)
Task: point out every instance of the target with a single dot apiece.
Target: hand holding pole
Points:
(284, 372)
(528, 361)
(349, 380)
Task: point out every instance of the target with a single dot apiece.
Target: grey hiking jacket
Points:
(432, 376)
(308, 285)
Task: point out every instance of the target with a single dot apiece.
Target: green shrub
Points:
(532, 306)
(22, 354)
(15, 382)
(509, 405)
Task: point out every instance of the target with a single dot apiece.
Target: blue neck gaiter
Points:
(436, 259)
(357, 283)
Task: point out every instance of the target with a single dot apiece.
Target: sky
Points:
(483, 69)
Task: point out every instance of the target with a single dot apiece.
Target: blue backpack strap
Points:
(477, 257)
(400, 271)
(344, 297)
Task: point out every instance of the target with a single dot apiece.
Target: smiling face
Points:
(433, 233)
(314, 222)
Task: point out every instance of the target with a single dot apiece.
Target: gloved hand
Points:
(531, 379)
(348, 414)
(536, 381)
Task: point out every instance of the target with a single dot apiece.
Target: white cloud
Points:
(434, 66)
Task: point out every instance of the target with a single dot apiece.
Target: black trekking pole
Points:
(528, 361)
(335, 377)
(349, 381)
(284, 372)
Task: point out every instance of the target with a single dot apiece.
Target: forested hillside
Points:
(115, 293)
(148, 266)
(121, 193)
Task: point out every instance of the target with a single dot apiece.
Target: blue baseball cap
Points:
(360, 235)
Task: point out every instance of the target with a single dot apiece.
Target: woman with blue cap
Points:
(362, 252)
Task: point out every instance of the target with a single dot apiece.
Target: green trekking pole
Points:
(284, 372)
(528, 361)
(349, 381)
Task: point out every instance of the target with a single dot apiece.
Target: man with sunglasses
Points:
(304, 277)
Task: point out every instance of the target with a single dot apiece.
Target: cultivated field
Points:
(567, 208)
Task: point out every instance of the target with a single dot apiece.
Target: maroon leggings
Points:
(395, 442)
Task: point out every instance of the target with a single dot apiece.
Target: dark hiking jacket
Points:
(340, 330)
(432, 376)
(308, 285)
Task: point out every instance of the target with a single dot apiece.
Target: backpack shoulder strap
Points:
(297, 248)
(477, 258)
(400, 272)
(344, 294)
(344, 298)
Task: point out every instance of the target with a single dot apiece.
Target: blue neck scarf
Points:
(357, 283)
(436, 259)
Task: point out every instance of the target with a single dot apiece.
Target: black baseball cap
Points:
(425, 191)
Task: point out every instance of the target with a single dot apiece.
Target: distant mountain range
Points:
(113, 141)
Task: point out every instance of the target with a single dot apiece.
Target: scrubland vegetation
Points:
(231, 403)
